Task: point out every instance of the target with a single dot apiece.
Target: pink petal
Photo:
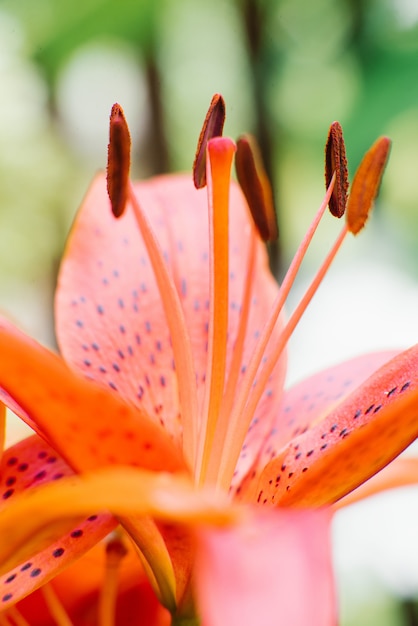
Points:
(275, 568)
(110, 321)
(306, 402)
(402, 472)
(353, 441)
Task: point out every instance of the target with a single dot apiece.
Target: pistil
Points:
(220, 152)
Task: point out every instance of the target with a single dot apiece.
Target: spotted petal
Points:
(26, 465)
(274, 568)
(307, 402)
(356, 439)
(78, 588)
(36, 515)
(110, 320)
(88, 425)
(402, 472)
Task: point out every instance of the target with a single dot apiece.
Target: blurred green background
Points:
(287, 68)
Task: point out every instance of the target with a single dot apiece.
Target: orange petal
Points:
(2, 427)
(78, 589)
(351, 443)
(274, 568)
(38, 514)
(402, 472)
(29, 464)
(88, 425)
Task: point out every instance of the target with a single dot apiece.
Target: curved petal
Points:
(79, 587)
(274, 568)
(307, 402)
(37, 515)
(402, 472)
(26, 465)
(89, 426)
(110, 321)
(29, 463)
(351, 443)
(2, 427)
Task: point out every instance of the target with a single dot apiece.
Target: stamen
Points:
(336, 161)
(180, 338)
(212, 127)
(17, 618)
(115, 552)
(268, 366)
(366, 184)
(118, 160)
(55, 606)
(220, 153)
(238, 425)
(256, 187)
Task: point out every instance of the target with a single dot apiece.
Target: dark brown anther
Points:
(366, 183)
(115, 549)
(212, 127)
(256, 187)
(118, 160)
(336, 161)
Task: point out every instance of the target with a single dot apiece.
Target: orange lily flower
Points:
(168, 409)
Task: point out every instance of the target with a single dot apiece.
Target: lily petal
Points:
(307, 402)
(78, 588)
(27, 465)
(2, 427)
(88, 425)
(110, 321)
(351, 443)
(402, 472)
(274, 568)
(37, 515)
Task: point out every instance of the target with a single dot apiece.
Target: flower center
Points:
(213, 438)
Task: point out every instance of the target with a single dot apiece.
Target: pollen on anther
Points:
(336, 161)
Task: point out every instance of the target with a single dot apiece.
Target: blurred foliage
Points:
(287, 68)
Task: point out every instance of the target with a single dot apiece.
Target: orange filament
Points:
(13, 616)
(115, 552)
(220, 153)
(239, 419)
(180, 339)
(55, 606)
(267, 368)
